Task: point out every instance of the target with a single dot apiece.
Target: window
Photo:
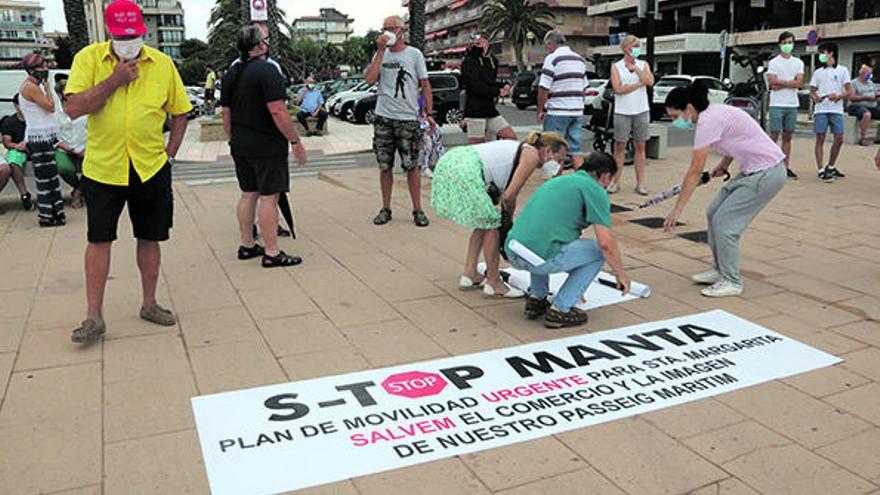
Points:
(171, 51)
(28, 17)
(7, 15)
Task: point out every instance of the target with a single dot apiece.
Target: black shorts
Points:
(150, 206)
(209, 94)
(265, 174)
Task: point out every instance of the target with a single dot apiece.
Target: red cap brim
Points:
(127, 30)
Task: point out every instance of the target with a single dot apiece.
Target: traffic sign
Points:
(812, 37)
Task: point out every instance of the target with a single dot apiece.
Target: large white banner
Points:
(295, 435)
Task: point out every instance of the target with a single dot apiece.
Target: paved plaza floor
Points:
(115, 417)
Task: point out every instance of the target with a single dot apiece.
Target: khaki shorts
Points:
(485, 128)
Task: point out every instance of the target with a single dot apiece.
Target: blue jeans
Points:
(567, 127)
(581, 259)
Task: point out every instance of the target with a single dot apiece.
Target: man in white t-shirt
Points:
(829, 86)
(786, 74)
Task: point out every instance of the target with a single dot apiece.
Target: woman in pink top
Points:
(734, 135)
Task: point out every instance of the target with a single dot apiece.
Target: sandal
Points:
(88, 331)
(466, 283)
(51, 222)
(246, 253)
(280, 259)
(26, 202)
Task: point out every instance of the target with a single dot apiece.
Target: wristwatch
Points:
(171, 160)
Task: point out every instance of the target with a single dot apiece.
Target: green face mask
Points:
(823, 58)
(787, 47)
(635, 52)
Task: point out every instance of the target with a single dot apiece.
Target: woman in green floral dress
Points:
(460, 192)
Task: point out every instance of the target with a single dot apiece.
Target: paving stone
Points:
(436, 478)
(865, 362)
(133, 467)
(301, 334)
(808, 310)
(791, 469)
(517, 464)
(144, 357)
(826, 381)
(824, 340)
(218, 326)
(218, 368)
(804, 284)
(77, 387)
(457, 341)
(53, 348)
(324, 363)
(863, 331)
(867, 306)
(805, 419)
(726, 444)
(692, 418)
(13, 329)
(147, 407)
(730, 486)
(863, 402)
(86, 490)
(440, 314)
(641, 459)
(6, 361)
(341, 488)
(389, 278)
(393, 342)
(16, 302)
(857, 454)
(581, 481)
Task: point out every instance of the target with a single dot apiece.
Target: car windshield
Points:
(673, 82)
(595, 83)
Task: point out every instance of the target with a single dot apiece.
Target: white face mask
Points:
(550, 168)
(392, 38)
(128, 49)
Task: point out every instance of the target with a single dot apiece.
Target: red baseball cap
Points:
(124, 18)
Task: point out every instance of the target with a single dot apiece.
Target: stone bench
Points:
(657, 143)
(211, 130)
(851, 132)
(313, 122)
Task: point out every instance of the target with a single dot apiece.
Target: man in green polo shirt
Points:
(545, 239)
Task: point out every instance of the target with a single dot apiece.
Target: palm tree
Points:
(75, 15)
(417, 23)
(515, 21)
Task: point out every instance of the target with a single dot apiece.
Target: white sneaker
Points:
(708, 277)
(428, 173)
(722, 288)
(511, 293)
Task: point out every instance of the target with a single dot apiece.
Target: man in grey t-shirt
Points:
(863, 102)
(401, 74)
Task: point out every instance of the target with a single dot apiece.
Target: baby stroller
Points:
(601, 124)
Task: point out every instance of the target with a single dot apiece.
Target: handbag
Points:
(493, 190)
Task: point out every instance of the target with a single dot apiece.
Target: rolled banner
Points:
(635, 288)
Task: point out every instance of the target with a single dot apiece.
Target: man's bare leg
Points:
(386, 183)
(414, 182)
(268, 216)
(97, 263)
(149, 256)
(247, 206)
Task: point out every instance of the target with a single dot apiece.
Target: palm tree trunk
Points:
(417, 24)
(75, 15)
(518, 50)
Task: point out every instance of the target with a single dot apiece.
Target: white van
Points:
(10, 82)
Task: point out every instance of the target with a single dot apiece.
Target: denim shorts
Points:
(782, 119)
(569, 127)
(821, 122)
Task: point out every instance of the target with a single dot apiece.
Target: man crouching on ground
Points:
(545, 239)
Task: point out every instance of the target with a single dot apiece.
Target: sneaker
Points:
(722, 288)
(383, 217)
(26, 202)
(427, 173)
(834, 172)
(420, 219)
(557, 319)
(535, 307)
(790, 174)
(708, 277)
(825, 176)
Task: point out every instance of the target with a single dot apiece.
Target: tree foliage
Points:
(63, 53)
(77, 27)
(227, 18)
(514, 21)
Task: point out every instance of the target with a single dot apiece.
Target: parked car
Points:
(340, 85)
(335, 103)
(525, 90)
(718, 91)
(345, 106)
(445, 88)
(593, 95)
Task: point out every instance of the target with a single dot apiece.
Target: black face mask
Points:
(41, 75)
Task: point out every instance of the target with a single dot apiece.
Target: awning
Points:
(457, 4)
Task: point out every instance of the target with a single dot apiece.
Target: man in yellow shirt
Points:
(127, 90)
(210, 97)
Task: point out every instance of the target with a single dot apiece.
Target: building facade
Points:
(164, 19)
(331, 26)
(21, 32)
(690, 34)
(450, 22)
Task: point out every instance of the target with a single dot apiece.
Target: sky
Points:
(367, 14)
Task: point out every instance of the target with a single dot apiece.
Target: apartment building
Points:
(330, 26)
(689, 39)
(164, 19)
(21, 32)
(450, 22)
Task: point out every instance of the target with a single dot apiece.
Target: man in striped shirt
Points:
(561, 93)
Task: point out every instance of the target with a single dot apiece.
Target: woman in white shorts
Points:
(632, 112)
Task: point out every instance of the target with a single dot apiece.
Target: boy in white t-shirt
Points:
(786, 74)
(829, 86)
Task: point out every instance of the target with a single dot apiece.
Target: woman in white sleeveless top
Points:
(38, 107)
(632, 112)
